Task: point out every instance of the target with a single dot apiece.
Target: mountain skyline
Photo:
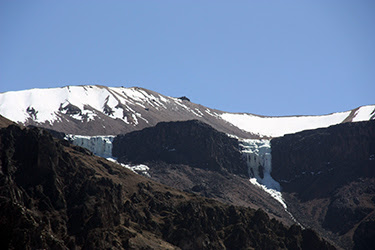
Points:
(101, 110)
(275, 59)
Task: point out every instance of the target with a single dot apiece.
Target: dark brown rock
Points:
(329, 174)
(55, 196)
(193, 143)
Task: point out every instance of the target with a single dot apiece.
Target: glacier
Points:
(100, 145)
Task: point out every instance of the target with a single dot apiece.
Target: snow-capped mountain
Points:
(100, 110)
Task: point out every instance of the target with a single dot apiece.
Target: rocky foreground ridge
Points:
(56, 195)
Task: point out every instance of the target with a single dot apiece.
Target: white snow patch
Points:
(138, 169)
(364, 113)
(208, 111)
(274, 193)
(279, 126)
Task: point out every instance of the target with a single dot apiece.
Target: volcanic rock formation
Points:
(54, 195)
(329, 174)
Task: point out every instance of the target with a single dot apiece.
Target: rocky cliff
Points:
(330, 175)
(54, 195)
(192, 143)
(194, 157)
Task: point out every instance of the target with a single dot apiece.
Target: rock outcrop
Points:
(54, 195)
(194, 157)
(192, 143)
(330, 175)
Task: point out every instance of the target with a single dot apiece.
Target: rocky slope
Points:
(328, 179)
(194, 157)
(101, 110)
(54, 195)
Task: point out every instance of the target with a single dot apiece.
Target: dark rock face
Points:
(194, 157)
(184, 98)
(4, 122)
(56, 196)
(364, 235)
(332, 170)
(193, 143)
(324, 159)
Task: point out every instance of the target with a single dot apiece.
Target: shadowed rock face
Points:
(4, 122)
(333, 171)
(194, 157)
(324, 159)
(193, 143)
(54, 195)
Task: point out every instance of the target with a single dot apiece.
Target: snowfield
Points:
(14, 105)
(279, 126)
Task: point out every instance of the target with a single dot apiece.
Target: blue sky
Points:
(262, 57)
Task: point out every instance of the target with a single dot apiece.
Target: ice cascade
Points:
(99, 145)
(258, 157)
(102, 146)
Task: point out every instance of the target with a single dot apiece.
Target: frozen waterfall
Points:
(102, 146)
(258, 157)
(99, 145)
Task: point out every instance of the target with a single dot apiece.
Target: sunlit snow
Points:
(87, 103)
(46, 103)
(138, 169)
(279, 126)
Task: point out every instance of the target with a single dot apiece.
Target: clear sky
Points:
(262, 57)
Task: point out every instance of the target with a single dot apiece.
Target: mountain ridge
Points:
(102, 110)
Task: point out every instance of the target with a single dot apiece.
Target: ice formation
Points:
(258, 158)
(259, 162)
(102, 146)
(99, 145)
